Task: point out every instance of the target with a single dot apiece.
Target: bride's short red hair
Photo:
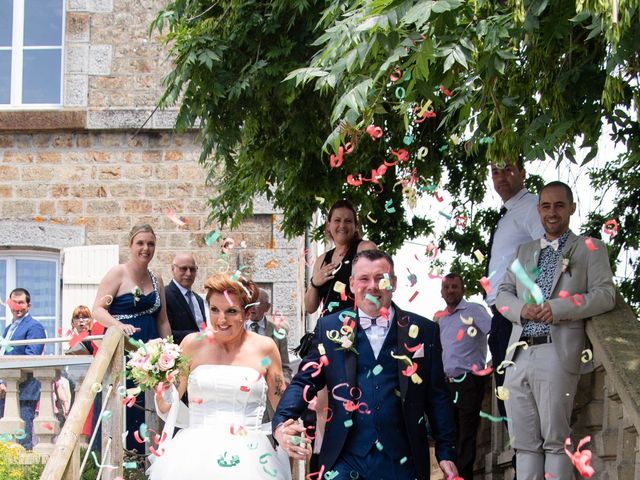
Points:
(245, 289)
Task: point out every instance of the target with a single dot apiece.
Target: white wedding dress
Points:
(224, 437)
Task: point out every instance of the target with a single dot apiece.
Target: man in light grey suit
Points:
(574, 283)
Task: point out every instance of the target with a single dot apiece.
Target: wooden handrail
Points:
(70, 434)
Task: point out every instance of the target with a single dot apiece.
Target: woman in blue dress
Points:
(130, 297)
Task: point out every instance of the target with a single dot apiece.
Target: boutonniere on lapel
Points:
(411, 368)
(137, 294)
(346, 336)
(566, 261)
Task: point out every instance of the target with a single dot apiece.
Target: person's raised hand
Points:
(324, 274)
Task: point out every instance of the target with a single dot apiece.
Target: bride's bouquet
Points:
(156, 364)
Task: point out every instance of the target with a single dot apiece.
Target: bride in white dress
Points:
(232, 373)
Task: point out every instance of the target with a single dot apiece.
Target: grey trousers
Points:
(541, 397)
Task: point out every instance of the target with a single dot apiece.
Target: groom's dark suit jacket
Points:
(429, 398)
(180, 316)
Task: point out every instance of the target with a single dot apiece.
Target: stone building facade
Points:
(83, 171)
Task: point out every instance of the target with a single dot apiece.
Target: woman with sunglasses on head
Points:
(130, 298)
(232, 374)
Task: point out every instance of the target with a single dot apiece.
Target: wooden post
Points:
(112, 452)
(72, 471)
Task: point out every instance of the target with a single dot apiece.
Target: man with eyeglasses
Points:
(185, 308)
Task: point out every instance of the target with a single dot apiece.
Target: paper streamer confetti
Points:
(581, 459)
(534, 289)
(492, 418)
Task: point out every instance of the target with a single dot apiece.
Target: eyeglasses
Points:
(82, 319)
(183, 268)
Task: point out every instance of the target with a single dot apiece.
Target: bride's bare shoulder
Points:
(192, 343)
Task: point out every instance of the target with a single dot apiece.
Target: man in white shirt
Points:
(519, 223)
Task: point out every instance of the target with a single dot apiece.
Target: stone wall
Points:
(108, 160)
(111, 61)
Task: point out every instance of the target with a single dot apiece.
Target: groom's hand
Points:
(449, 469)
(290, 437)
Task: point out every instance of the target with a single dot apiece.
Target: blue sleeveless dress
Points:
(141, 312)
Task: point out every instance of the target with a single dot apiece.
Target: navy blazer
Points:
(429, 398)
(28, 329)
(180, 315)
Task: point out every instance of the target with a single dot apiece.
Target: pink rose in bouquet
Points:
(156, 364)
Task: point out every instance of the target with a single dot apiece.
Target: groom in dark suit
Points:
(383, 370)
(185, 309)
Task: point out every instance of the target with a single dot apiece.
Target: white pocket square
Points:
(419, 353)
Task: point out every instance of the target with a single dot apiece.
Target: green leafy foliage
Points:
(275, 88)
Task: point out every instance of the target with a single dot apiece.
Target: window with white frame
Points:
(31, 40)
(39, 273)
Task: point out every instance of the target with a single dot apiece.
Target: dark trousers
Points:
(498, 343)
(376, 464)
(468, 395)
(27, 413)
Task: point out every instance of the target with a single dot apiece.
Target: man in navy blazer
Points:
(23, 327)
(182, 317)
(383, 370)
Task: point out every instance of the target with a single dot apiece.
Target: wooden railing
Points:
(106, 374)
(60, 448)
(607, 405)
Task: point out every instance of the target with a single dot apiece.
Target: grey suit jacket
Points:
(590, 276)
(283, 347)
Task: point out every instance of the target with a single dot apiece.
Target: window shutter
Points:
(82, 270)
